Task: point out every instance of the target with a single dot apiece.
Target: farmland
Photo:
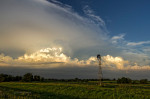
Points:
(73, 90)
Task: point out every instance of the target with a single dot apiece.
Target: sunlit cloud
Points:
(54, 57)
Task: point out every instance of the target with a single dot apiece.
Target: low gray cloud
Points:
(75, 72)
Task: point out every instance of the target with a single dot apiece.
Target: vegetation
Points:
(143, 81)
(124, 80)
(28, 77)
(31, 87)
(73, 90)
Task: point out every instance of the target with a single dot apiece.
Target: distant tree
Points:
(18, 78)
(28, 77)
(42, 79)
(124, 80)
(10, 78)
(85, 80)
(106, 79)
(37, 78)
(5, 77)
(114, 79)
(76, 79)
(135, 82)
(2, 78)
(143, 81)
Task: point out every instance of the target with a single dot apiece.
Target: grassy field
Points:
(73, 90)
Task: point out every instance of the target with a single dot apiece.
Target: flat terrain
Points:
(73, 90)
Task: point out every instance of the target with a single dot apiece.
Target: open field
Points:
(72, 90)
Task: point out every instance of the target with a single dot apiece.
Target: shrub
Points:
(28, 77)
(143, 81)
(135, 82)
(124, 80)
(37, 78)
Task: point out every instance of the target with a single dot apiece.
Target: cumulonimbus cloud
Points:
(28, 26)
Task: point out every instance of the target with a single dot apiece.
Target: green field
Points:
(73, 90)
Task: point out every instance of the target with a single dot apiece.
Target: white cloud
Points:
(54, 57)
(5, 60)
(132, 51)
(114, 62)
(118, 38)
(146, 49)
(89, 12)
(121, 36)
(138, 43)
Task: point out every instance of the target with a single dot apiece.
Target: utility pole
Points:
(100, 69)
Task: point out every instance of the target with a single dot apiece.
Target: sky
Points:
(61, 38)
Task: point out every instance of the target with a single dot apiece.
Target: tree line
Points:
(29, 77)
(125, 80)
